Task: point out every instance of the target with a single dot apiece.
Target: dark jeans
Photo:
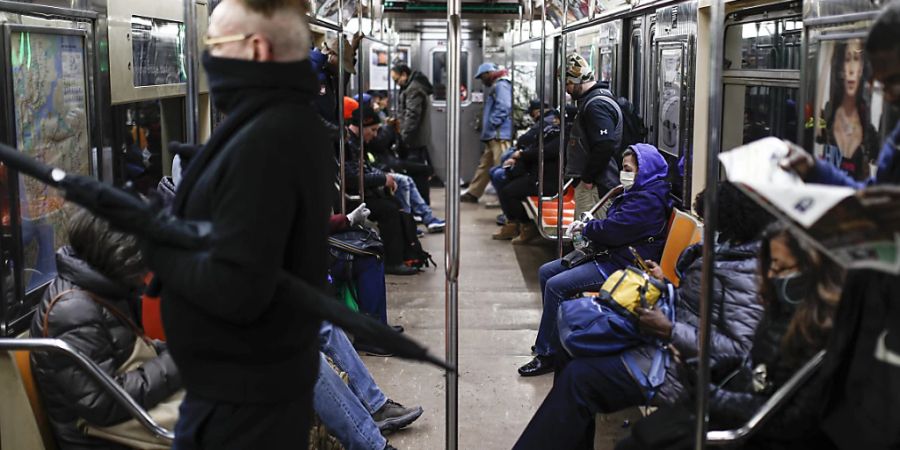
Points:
(368, 276)
(210, 424)
(386, 212)
(584, 388)
(558, 285)
(512, 194)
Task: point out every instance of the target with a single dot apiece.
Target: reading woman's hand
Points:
(881, 201)
(798, 161)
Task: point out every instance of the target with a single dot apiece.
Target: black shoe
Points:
(393, 416)
(468, 198)
(400, 269)
(501, 220)
(389, 446)
(371, 350)
(398, 328)
(532, 349)
(537, 366)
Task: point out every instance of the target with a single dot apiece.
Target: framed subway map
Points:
(47, 84)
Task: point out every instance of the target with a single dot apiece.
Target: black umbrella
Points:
(134, 215)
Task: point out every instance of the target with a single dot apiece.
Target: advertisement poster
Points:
(670, 100)
(379, 67)
(847, 110)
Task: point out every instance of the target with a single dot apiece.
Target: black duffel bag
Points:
(358, 240)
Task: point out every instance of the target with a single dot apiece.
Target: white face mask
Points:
(626, 179)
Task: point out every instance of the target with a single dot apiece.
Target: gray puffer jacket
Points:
(735, 311)
(414, 110)
(68, 392)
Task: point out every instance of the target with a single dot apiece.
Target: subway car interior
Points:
(518, 240)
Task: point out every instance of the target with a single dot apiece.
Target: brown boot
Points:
(527, 233)
(507, 232)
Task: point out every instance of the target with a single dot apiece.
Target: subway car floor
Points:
(499, 311)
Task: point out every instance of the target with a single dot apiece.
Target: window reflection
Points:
(141, 143)
(767, 111)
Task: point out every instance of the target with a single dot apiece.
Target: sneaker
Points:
(398, 328)
(501, 220)
(418, 219)
(468, 198)
(371, 349)
(393, 416)
(400, 269)
(389, 446)
(419, 232)
(436, 226)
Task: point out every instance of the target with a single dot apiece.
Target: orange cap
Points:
(350, 105)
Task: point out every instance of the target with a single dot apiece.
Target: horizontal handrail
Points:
(613, 193)
(112, 388)
(777, 400)
(566, 187)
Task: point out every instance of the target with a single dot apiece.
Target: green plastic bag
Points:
(347, 292)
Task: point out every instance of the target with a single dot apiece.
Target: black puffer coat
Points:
(68, 392)
(414, 110)
(736, 311)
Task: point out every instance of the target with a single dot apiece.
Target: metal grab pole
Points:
(342, 141)
(543, 93)
(710, 210)
(562, 145)
(359, 88)
(451, 238)
(192, 68)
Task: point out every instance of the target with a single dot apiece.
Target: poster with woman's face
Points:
(847, 111)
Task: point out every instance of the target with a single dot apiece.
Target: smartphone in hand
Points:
(639, 260)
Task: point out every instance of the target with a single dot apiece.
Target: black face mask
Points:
(232, 81)
(792, 289)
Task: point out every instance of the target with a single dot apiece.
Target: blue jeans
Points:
(368, 276)
(559, 284)
(584, 388)
(347, 411)
(410, 199)
(498, 173)
(40, 231)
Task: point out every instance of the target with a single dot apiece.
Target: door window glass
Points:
(439, 75)
(768, 44)
(767, 111)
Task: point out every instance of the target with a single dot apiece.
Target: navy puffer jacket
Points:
(736, 311)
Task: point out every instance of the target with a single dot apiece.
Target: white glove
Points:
(586, 217)
(359, 215)
(573, 227)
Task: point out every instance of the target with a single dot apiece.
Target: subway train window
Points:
(770, 44)
(767, 111)
(158, 51)
(49, 83)
(143, 134)
(439, 75)
(637, 57)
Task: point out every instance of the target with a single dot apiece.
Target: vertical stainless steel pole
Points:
(192, 68)
(543, 98)
(710, 209)
(451, 237)
(342, 144)
(562, 144)
(359, 90)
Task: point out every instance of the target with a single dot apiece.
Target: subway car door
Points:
(434, 58)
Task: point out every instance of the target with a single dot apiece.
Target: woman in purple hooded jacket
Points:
(636, 218)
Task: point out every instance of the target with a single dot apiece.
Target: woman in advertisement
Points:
(850, 140)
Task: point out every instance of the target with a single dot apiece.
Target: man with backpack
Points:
(601, 131)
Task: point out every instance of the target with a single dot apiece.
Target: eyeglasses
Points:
(209, 42)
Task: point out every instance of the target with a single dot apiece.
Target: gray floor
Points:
(499, 310)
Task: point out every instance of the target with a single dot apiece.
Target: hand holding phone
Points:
(639, 260)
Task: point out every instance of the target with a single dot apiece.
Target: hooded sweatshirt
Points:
(638, 217)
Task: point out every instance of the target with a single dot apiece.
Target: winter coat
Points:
(735, 312)
(596, 138)
(636, 218)
(496, 122)
(414, 110)
(68, 392)
(529, 160)
(374, 178)
(233, 333)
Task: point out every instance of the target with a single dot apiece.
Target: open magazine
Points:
(850, 229)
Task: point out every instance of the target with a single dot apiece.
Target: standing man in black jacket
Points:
(413, 115)
(247, 358)
(596, 134)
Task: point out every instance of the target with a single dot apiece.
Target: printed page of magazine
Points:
(831, 218)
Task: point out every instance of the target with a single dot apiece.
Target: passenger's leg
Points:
(370, 287)
(511, 196)
(342, 413)
(205, 424)
(586, 387)
(559, 288)
(336, 346)
(416, 202)
(386, 212)
(402, 194)
(482, 173)
(547, 271)
(585, 198)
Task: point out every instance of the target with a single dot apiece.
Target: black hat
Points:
(535, 105)
(368, 115)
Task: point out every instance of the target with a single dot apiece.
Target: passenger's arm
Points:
(416, 102)
(502, 103)
(153, 382)
(254, 207)
(597, 160)
(637, 217)
(686, 337)
(824, 173)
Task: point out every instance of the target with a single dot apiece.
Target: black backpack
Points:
(413, 253)
(634, 131)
